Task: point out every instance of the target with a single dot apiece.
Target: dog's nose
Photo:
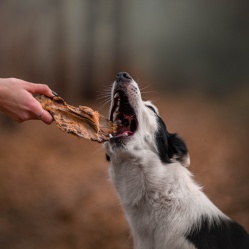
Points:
(122, 77)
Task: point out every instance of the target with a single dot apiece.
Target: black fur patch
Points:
(108, 159)
(169, 145)
(221, 234)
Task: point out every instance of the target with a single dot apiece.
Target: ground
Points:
(55, 191)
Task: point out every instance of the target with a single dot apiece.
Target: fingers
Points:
(18, 102)
(46, 117)
(40, 89)
(37, 112)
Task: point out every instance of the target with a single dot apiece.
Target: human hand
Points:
(17, 101)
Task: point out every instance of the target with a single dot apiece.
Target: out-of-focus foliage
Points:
(78, 46)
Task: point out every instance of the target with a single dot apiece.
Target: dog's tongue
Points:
(124, 131)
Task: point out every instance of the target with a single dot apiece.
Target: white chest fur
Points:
(161, 201)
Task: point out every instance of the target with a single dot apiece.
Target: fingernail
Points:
(54, 93)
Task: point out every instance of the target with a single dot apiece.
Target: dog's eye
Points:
(152, 109)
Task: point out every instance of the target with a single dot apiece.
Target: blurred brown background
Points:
(190, 57)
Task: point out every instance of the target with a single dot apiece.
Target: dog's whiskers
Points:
(96, 151)
(104, 104)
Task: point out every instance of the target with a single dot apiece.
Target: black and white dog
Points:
(165, 208)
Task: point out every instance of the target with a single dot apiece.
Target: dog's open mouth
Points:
(123, 115)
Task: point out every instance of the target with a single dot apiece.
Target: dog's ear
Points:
(162, 141)
(170, 146)
(177, 150)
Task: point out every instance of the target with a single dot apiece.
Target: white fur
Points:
(161, 201)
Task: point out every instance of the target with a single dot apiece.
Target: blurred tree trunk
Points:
(60, 61)
(118, 35)
(88, 89)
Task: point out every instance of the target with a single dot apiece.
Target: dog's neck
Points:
(144, 184)
(143, 172)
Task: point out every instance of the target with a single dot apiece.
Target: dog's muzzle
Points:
(122, 112)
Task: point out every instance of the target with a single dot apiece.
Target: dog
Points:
(164, 207)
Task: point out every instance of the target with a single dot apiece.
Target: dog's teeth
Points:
(116, 95)
(110, 135)
(118, 103)
(117, 109)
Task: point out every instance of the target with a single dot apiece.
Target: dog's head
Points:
(140, 128)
